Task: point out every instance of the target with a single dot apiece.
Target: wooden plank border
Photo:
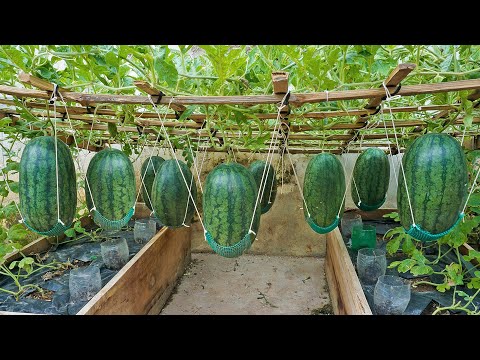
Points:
(346, 292)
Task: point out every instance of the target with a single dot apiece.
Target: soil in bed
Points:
(54, 297)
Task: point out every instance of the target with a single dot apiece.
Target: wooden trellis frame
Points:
(300, 140)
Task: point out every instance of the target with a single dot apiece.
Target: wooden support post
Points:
(280, 87)
(280, 82)
(394, 79)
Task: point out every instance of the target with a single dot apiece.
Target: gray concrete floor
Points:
(250, 284)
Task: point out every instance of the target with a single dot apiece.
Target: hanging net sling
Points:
(60, 227)
(415, 230)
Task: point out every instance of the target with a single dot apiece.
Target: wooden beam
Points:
(247, 100)
(395, 77)
(79, 110)
(146, 87)
(280, 82)
(37, 82)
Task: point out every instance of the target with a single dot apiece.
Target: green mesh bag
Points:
(57, 230)
(320, 229)
(108, 224)
(418, 233)
(229, 251)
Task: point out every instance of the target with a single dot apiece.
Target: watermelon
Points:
(111, 179)
(257, 168)
(170, 195)
(371, 175)
(38, 184)
(437, 179)
(228, 204)
(149, 169)
(324, 189)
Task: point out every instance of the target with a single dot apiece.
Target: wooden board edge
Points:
(350, 292)
(333, 287)
(162, 300)
(92, 304)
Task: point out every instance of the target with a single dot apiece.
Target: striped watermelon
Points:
(324, 189)
(111, 179)
(149, 168)
(38, 184)
(437, 179)
(170, 195)
(257, 168)
(228, 204)
(371, 175)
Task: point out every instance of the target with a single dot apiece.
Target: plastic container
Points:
(84, 283)
(144, 230)
(364, 236)
(349, 220)
(371, 264)
(391, 295)
(114, 253)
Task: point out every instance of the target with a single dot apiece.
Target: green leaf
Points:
(443, 287)
(17, 232)
(468, 120)
(78, 227)
(189, 111)
(14, 187)
(70, 232)
(408, 245)
(421, 270)
(166, 71)
(393, 245)
(3, 234)
(112, 129)
(392, 215)
(406, 265)
(111, 59)
(12, 264)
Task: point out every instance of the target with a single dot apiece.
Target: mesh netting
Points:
(418, 233)
(365, 207)
(108, 224)
(322, 230)
(57, 230)
(229, 251)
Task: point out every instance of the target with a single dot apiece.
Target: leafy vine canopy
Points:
(243, 70)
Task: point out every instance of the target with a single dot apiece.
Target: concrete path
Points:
(250, 284)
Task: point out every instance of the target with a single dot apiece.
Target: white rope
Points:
(390, 98)
(298, 181)
(463, 135)
(76, 144)
(54, 100)
(175, 156)
(195, 162)
(150, 162)
(471, 190)
(349, 180)
(273, 141)
(389, 146)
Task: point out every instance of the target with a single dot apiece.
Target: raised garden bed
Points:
(350, 297)
(142, 286)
